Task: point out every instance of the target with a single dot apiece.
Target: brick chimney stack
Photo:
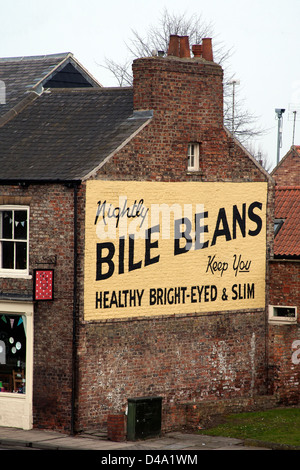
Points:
(181, 89)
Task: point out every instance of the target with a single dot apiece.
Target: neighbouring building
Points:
(284, 308)
(136, 235)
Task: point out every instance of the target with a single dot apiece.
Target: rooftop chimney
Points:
(187, 89)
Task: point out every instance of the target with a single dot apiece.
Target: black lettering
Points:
(121, 254)
(219, 232)
(255, 218)
(113, 299)
(160, 296)
(233, 288)
(131, 264)
(243, 291)
(241, 220)
(179, 235)
(200, 229)
(152, 296)
(213, 293)
(105, 260)
(106, 299)
(170, 298)
(98, 300)
(193, 295)
(250, 291)
(149, 245)
(101, 208)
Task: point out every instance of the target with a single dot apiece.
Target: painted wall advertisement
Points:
(155, 248)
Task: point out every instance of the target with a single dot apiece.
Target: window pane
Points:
(20, 225)
(285, 312)
(7, 255)
(12, 353)
(21, 255)
(7, 221)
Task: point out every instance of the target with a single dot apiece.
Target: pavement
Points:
(11, 438)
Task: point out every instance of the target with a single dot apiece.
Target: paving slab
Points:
(175, 441)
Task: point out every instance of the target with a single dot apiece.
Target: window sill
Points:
(19, 396)
(283, 321)
(15, 275)
(194, 172)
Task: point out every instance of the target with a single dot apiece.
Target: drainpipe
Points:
(74, 349)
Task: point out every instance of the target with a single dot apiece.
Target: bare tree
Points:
(260, 156)
(157, 39)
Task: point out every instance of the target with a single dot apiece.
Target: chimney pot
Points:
(174, 45)
(207, 52)
(179, 46)
(184, 47)
(197, 50)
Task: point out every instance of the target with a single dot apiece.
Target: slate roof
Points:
(22, 74)
(49, 133)
(287, 207)
(64, 134)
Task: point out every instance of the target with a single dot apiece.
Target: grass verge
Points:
(278, 426)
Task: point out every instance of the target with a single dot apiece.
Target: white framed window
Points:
(193, 156)
(14, 239)
(282, 314)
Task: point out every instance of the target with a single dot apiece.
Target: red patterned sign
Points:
(43, 284)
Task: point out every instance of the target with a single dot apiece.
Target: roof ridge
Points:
(287, 187)
(89, 89)
(36, 57)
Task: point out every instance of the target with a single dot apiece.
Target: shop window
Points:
(193, 157)
(282, 314)
(13, 240)
(12, 353)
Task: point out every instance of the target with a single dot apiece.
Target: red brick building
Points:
(114, 309)
(285, 281)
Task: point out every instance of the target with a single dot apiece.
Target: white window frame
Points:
(193, 156)
(275, 318)
(4, 272)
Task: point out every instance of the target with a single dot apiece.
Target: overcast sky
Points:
(263, 36)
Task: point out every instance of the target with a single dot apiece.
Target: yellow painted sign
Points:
(155, 248)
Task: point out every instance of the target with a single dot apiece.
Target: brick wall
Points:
(287, 173)
(182, 359)
(51, 246)
(284, 340)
